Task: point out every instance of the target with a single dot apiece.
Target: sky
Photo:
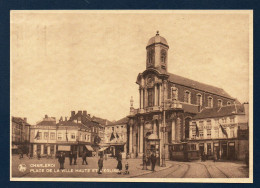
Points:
(89, 60)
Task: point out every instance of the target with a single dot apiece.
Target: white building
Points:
(222, 130)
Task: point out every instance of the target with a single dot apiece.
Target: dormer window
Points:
(219, 102)
(187, 96)
(199, 99)
(174, 94)
(210, 102)
(228, 103)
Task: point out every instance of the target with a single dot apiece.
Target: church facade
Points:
(167, 104)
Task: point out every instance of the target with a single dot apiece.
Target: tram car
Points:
(183, 152)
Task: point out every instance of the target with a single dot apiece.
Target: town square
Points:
(118, 100)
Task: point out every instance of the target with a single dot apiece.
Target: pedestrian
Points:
(126, 167)
(75, 157)
(215, 156)
(61, 160)
(38, 155)
(144, 162)
(153, 161)
(119, 162)
(84, 158)
(71, 157)
(100, 164)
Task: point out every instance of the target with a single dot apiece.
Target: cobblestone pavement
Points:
(197, 169)
(173, 169)
(36, 168)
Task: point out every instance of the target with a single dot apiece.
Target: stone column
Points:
(155, 95)
(142, 98)
(160, 94)
(138, 139)
(131, 139)
(42, 148)
(173, 130)
(142, 138)
(34, 149)
(49, 150)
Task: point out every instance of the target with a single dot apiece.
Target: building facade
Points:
(221, 131)
(43, 137)
(20, 135)
(116, 137)
(167, 103)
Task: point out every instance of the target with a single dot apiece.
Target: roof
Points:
(120, 122)
(198, 85)
(19, 120)
(101, 120)
(220, 111)
(157, 39)
(72, 124)
(46, 123)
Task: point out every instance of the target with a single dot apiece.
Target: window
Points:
(201, 124)
(174, 93)
(85, 137)
(59, 136)
(88, 138)
(232, 131)
(199, 99)
(219, 102)
(72, 136)
(52, 136)
(210, 102)
(194, 133)
(228, 103)
(208, 133)
(40, 136)
(192, 147)
(232, 119)
(187, 96)
(201, 133)
(163, 56)
(150, 56)
(150, 97)
(216, 133)
(224, 120)
(46, 136)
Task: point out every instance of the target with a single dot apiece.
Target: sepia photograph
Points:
(131, 95)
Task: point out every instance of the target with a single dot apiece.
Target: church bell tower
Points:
(157, 53)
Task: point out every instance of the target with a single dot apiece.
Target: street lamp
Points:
(163, 127)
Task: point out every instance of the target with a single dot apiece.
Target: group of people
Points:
(73, 155)
(152, 159)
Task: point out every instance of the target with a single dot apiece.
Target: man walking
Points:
(70, 157)
(84, 158)
(153, 161)
(119, 162)
(75, 157)
(100, 164)
(61, 160)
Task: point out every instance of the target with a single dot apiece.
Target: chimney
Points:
(46, 116)
(66, 118)
(72, 113)
(25, 120)
(80, 112)
(85, 113)
(89, 115)
(61, 119)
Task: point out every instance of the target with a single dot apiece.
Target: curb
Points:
(149, 172)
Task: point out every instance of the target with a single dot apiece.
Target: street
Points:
(196, 169)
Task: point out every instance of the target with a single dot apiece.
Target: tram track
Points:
(185, 173)
(222, 172)
(210, 176)
(172, 171)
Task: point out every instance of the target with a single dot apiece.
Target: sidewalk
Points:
(37, 168)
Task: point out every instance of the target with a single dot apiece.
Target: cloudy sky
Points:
(89, 60)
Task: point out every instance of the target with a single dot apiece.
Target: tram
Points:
(183, 152)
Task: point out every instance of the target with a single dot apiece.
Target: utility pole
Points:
(163, 127)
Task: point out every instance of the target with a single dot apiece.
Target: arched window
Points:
(219, 102)
(174, 93)
(187, 96)
(199, 99)
(163, 56)
(210, 102)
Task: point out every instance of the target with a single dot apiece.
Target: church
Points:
(168, 102)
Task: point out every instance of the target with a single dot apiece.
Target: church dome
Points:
(157, 39)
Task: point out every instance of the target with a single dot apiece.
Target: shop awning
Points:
(103, 149)
(63, 148)
(89, 148)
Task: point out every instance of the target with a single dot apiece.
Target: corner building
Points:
(167, 104)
